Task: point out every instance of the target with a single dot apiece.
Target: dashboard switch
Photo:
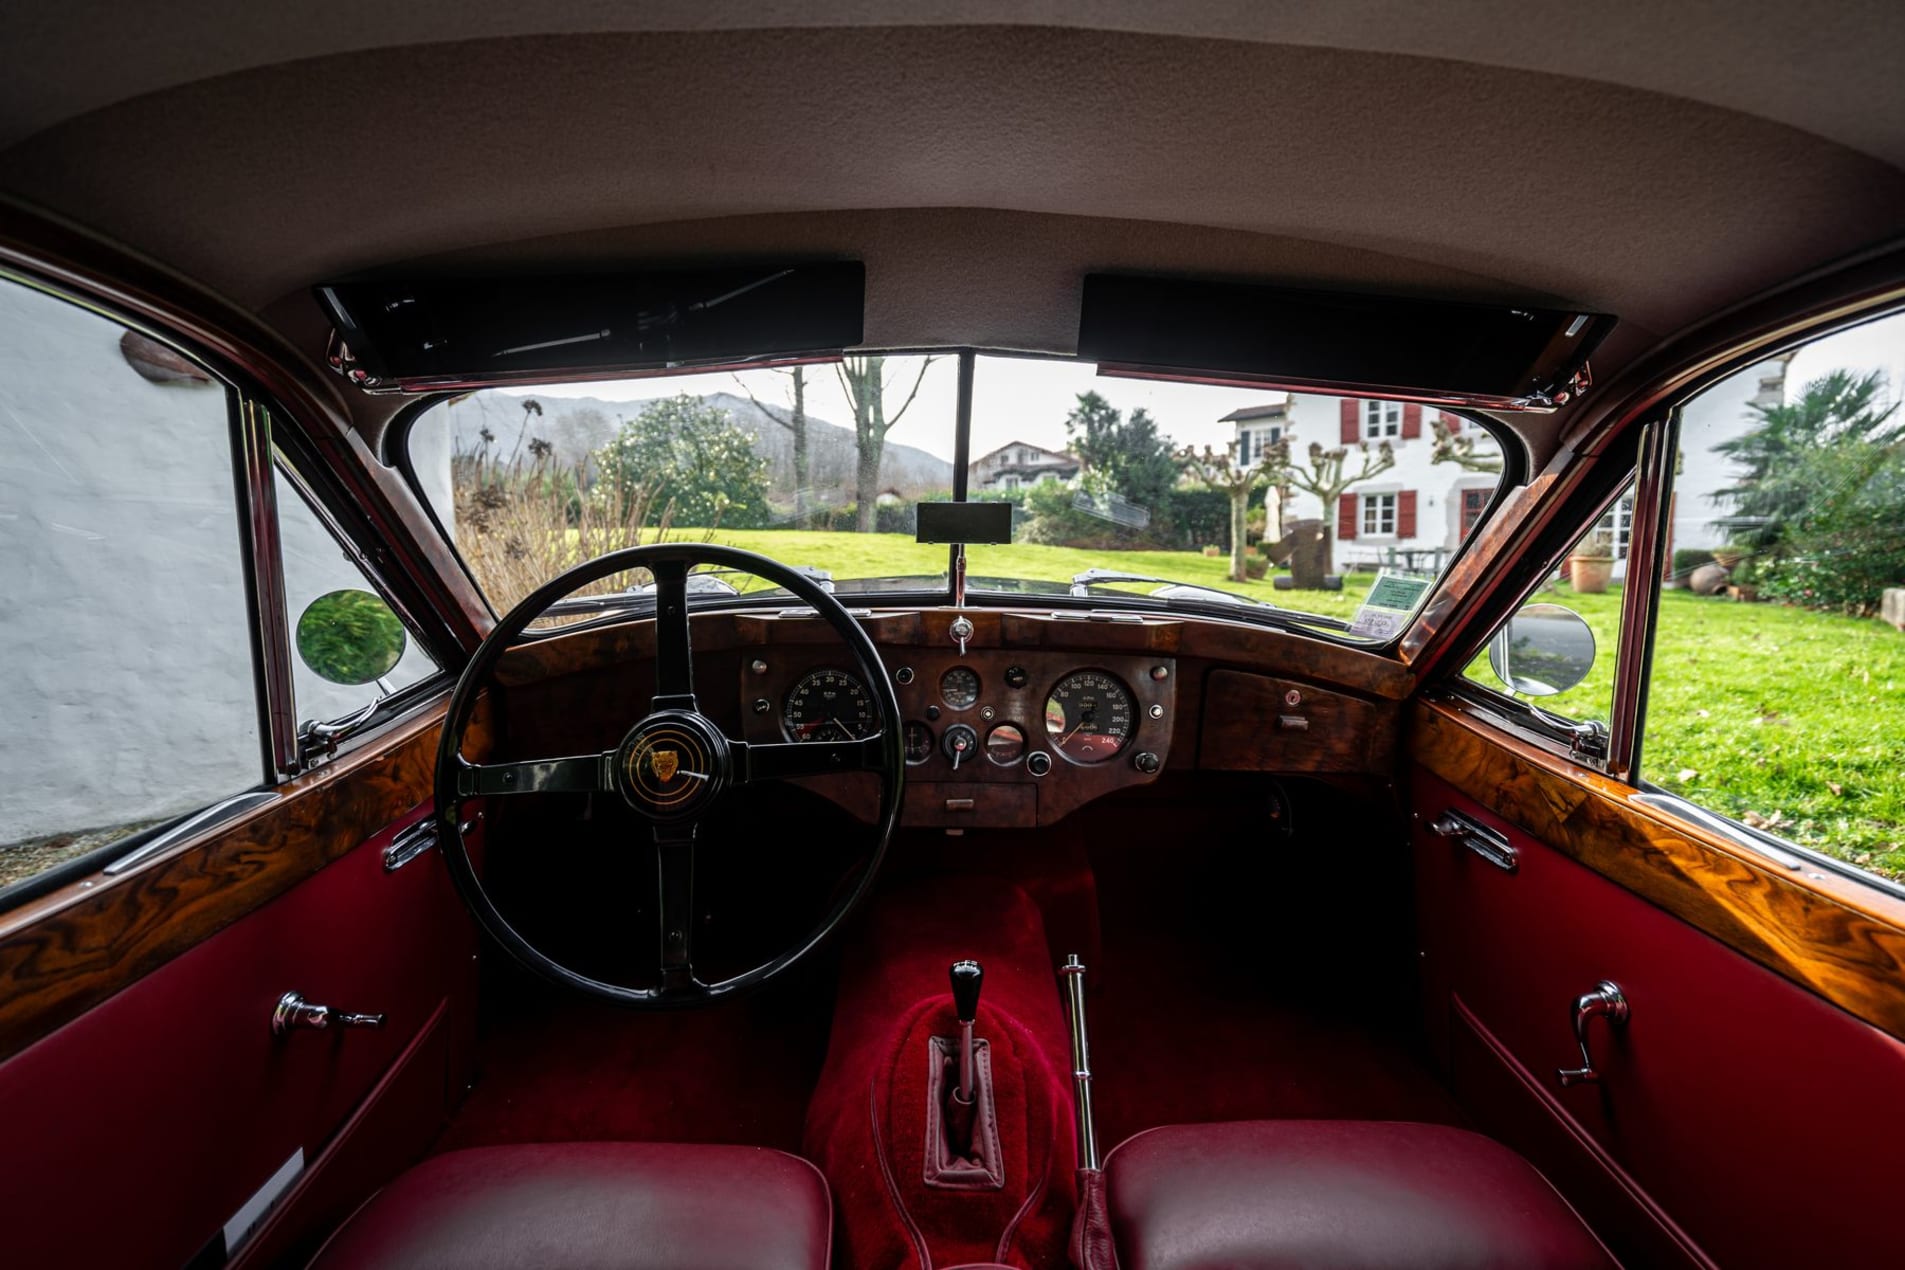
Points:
(1038, 762)
(1147, 762)
(960, 743)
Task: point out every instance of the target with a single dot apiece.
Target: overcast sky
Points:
(1026, 399)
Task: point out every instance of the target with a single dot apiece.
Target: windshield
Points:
(1300, 501)
(1264, 504)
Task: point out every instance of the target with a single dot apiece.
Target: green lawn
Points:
(1778, 716)
(1791, 719)
(849, 555)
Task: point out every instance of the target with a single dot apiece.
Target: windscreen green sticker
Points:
(1386, 609)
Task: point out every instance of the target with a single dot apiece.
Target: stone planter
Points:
(1255, 567)
(1589, 575)
(1213, 551)
(1744, 594)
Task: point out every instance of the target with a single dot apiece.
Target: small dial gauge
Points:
(1089, 716)
(1005, 744)
(959, 687)
(919, 743)
(828, 705)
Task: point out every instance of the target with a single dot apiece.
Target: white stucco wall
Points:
(1715, 415)
(127, 691)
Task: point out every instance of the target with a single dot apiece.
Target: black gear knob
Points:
(966, 977)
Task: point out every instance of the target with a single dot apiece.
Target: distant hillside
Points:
(578, 426)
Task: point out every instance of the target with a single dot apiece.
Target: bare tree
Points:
(863, 379)
(1222, 471)
(1326, 475)
(795, 421)
(1459, 449)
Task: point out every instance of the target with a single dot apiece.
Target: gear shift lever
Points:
(967, 976)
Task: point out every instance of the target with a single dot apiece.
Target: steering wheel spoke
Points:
(582, 774)
(675, 887)
(674, 656)
(786, 760)
(673, 764)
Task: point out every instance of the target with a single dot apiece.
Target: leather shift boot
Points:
(962, 1140)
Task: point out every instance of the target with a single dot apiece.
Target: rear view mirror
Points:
(1543, 650)
(350, 637)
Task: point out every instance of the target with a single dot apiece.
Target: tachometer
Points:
(828, 705)
(1089, 716)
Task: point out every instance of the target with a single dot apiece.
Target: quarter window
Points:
(132, 696)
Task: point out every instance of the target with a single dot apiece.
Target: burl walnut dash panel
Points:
(1261, 723)
(979, 793)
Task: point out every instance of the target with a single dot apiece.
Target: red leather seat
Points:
(1336, 1195)
(600, 1205)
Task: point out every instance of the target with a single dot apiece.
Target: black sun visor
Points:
(1436, 351)
(429, 333)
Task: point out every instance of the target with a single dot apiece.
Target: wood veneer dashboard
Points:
(1204, 696)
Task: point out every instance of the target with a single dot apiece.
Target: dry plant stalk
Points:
(520, 524)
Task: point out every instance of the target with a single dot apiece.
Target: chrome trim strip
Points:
(1787, 855)
(213, 816)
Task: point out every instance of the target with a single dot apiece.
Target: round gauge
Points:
(919, 743)
(959, 687)
(1089, 716)
(1005, 744)
(828, 705)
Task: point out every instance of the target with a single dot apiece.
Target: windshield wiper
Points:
(1172, 589)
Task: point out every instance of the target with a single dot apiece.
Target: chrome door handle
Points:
(1606, 1001)
(1480, 839)
(293, 1011)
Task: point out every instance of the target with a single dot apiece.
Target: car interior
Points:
(401, 884)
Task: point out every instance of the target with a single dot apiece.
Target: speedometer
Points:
(1089, 716)
(828, 705)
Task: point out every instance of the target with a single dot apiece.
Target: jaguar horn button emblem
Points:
(665, 764)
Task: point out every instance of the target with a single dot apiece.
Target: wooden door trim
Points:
(68, 951)
(1831, 935)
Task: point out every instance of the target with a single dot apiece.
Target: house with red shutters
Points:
(1415, 514)
(1411, 515)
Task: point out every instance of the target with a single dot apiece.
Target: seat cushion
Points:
(1336, 1195)
(599, 1205)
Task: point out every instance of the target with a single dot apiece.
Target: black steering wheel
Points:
(671, 767)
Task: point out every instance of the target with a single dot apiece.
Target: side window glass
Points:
(1557, 653)
(1777, 696)
(130, 697)
(350, 649)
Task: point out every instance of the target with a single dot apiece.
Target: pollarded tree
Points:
(683, 453)
(863, 379)
(1220, 470)
(1459, 448)
(1327, 474)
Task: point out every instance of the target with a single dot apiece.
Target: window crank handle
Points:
(1606, 1001)
(293, 1011)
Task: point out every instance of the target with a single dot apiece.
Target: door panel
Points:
(136, 1131)
(1761, 1119)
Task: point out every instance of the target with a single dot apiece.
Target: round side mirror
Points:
(1543, 650)
(350, 637)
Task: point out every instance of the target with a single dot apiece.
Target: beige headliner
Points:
(1657, 165)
